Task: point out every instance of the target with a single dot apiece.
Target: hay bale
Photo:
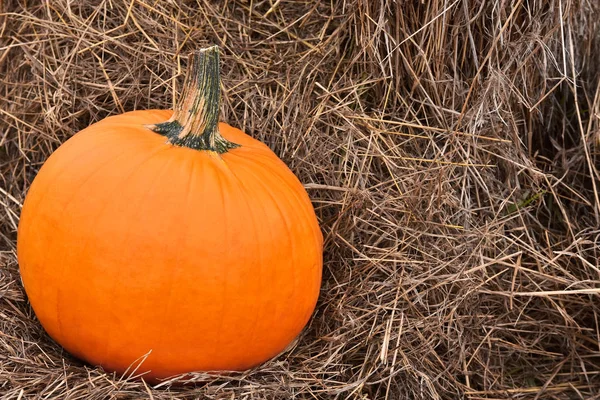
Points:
(450, 149)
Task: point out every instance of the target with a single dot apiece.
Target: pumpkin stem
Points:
(194, 123)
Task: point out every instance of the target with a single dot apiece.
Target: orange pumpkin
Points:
(170, 234)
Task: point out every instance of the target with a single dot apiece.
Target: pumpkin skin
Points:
(128, 244)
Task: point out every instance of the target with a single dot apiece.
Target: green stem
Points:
(194, 123)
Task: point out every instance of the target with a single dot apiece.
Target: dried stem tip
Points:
(194, 123)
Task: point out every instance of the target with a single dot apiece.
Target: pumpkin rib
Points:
(211, 170)
(170, 286)
(259, 182)
(247, 195)
(65, 166)
(60, 214)
(225, 175)
(317, 232)
(82, 184)
(136, 168)
(223, 218)
(172, 271)
(126, 235)
(211, 167)
(273, 172)
(270, 168)
(300, 201)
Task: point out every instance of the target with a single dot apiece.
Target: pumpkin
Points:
(171, 238)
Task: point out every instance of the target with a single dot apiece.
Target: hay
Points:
(450, 149)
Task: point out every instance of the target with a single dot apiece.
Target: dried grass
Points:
(450, 148)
